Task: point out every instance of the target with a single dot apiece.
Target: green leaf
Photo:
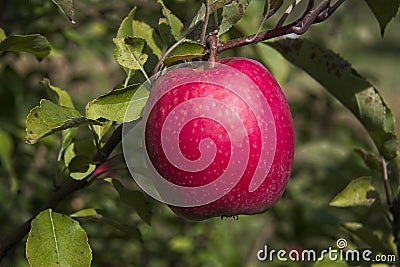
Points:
(66, 7)
(384, 11)
(79, 148)
(78, 159)
(369, 237)
(175, 24)
(349, 87)
(217, 4)
(49, 118)
(271, 6)
(144, 31)
(135, 199)
(212, 6)
(113, 105)
(231, 14)
(372, 160)
(57, 240)
(35, 44)
(186, 50)
(126, 27)
(128, 52)
(3, 35)
(81, 167)
(101, 130)
(63, 99)
(90, 212)
(356, 193)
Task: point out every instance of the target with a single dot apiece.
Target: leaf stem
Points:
(128, 77)
(386, 181)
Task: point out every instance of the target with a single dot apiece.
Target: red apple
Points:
(220, 139)
(104, 170)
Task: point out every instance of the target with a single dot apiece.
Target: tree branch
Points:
(312, 15)
(58, 196)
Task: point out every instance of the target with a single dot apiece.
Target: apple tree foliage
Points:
(70, 210)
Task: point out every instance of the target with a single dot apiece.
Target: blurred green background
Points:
(82, 63)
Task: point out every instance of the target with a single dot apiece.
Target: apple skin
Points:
(104, 170)
(239, 200)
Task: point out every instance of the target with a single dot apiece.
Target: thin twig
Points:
(169, 50)
(329, 11)
(286, 14)
(261, 24)
(216, 23)
(298, 27)
(59, 195)
(205, 24)
(386, 181)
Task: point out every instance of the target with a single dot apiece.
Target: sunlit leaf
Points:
(113, 105)
(126, 27)
(384, 11)
(144, 31)
(78, 159)
(173, 21)
(57, 240)
(90, 212)
(35, 44)
(356, 193)
(49, 118)
(81, 167)
(67, 7)
(129, 52)
(186, 50)
(348, 86)
(63, 99)
(213, 6)
(135, 199)
(231, 14)
(3, 35)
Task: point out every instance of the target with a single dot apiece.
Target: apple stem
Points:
(212, 43)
